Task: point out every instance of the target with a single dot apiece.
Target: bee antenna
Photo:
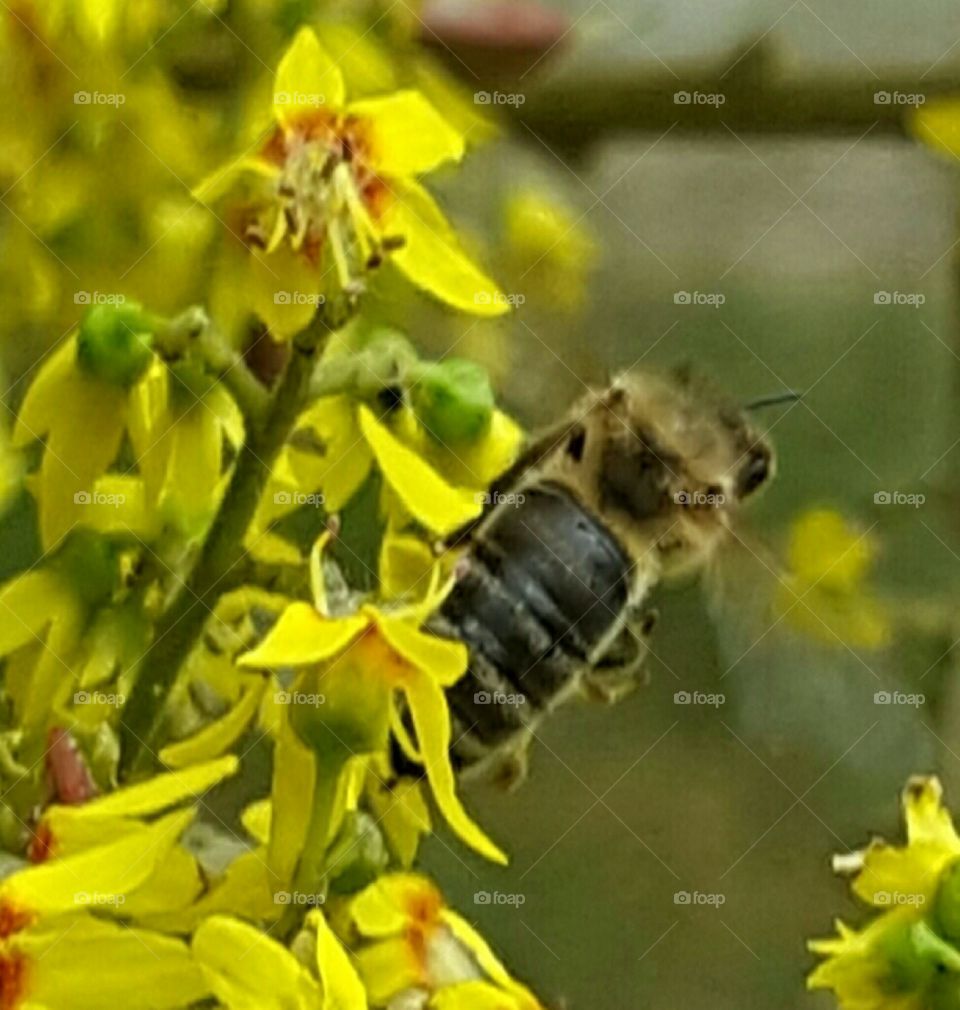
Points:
(787, 396)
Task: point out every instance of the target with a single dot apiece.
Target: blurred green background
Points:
(798, 228)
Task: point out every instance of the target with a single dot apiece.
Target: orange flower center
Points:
(329, 192)
(42, 845)
(13, 980)
(12, 919)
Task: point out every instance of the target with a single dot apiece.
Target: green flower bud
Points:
(454, 400)
(114, 343)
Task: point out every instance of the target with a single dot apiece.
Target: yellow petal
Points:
(98, 875)
(248, 888)
(433, 502)
(275, 286)
(256, 818)
(44, 397)
(388, 968)
(476, 464)
(220, 181)
(175, 884)
(406, 565)
(927, 819)
(342, 460)
(898, 875)
(405, 133)
(307, 80)
(302, 636)
(294, 779)
(248, 970)
(88, 964)
(486, 958)
(445, 661)
(476, 995)
(27, 604)
(216, 738)
(431, 720)
(402, 813)
(432, 257)
(384, 907)
(158, 793)
(342, 988)
(81, 445)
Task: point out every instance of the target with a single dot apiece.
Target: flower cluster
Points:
(237, 506)
(908, 955)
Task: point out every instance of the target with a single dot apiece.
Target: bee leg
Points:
(620, 670)
(506, 768)
(511, 770)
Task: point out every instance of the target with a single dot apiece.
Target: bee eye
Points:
(754, 473)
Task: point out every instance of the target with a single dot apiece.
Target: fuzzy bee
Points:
(639, 482)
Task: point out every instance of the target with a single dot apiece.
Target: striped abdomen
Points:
(543, 585)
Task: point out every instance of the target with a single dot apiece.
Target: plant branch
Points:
(218, 562)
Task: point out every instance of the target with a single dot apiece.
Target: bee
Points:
(639, 483)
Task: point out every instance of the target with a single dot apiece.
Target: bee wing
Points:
(793, 681)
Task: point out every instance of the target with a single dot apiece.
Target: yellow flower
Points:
(248, 970)
(415, 942)
(937, 124)
(83, 417)
(438, 486)
(905, 957)
(183, 427)
(825, 593)
(341, 194)
(48, 635)
(915, 869)
(53, 945)
(551, 251)
(177, 882)
(366, 658)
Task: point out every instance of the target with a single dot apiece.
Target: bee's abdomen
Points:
(542, 585)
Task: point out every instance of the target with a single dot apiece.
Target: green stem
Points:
(218, 564)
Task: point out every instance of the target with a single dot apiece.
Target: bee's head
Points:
(690, 449)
